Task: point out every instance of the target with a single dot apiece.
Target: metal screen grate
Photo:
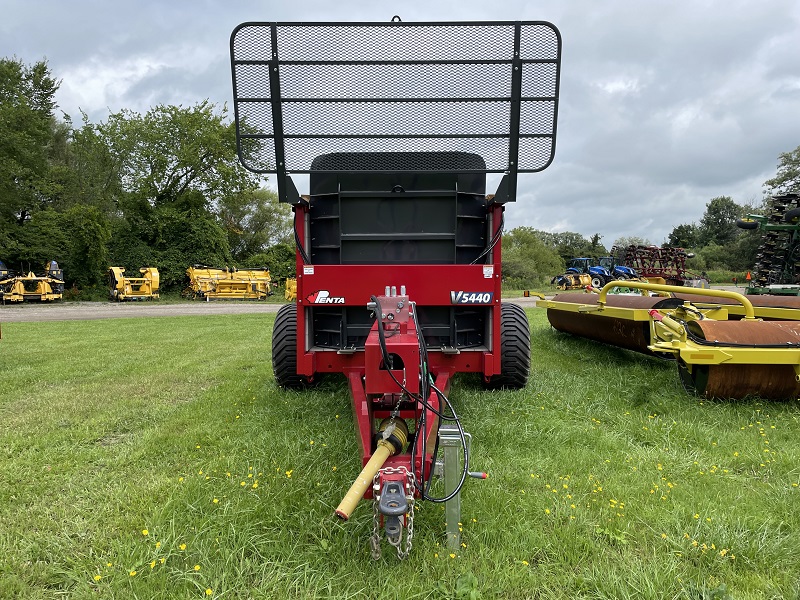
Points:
(303, 90)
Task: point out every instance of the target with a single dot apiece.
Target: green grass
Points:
(605, 479)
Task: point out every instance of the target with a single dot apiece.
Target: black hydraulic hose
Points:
(299, 244)
(495, 238)
(422, 483)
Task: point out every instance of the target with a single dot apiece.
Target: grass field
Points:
(156, 458)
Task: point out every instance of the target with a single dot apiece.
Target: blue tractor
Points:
(599, 274)
(584, 271)
(617, 271)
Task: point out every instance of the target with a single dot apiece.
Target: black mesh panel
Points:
(303, 90)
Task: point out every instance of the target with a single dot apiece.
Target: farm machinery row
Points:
(725, 344)
(205, 283)
(588, 272)
(398, 257)
(666, 265)
(46, 286)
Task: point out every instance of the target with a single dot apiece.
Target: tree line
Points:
(165, 188)
(531, 257)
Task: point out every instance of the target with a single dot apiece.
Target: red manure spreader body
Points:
(396, 126)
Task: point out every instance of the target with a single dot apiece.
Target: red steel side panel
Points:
(427, 285)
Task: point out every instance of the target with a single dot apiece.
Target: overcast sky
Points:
(663, 105)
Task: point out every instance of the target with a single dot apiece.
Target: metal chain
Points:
(375, 539)
(403, 550)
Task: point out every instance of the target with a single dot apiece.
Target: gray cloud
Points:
(663, 105)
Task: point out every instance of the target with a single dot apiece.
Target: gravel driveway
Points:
(77, 311)
(81, 311)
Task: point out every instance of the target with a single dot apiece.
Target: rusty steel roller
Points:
(771, 381)
(756, 299)
(627, 333)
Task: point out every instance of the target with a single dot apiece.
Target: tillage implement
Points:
(777, 268)
(725, 344)
(396, 126)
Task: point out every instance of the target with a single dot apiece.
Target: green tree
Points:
(718, 225)
(83, 170)
(569, 244)
(255, 221)
(632, 240)
(527, 260)
(595, 247)
(684, 236)
(172, 150)
(43, 238)
(788, 177)
(279, 259)
(27, 104)
(86, 259)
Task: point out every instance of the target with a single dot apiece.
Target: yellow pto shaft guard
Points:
(394, 437)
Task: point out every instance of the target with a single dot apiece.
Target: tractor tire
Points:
(746, 224)
(598, 281)
(284, 350)
(790, 215)
(515, 349)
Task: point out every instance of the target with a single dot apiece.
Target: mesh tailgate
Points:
(303, 90)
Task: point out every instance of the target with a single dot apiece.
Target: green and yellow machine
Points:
(777, 268)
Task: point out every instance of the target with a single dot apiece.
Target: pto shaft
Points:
(395, 435)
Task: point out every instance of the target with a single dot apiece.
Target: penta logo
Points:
(324, 297)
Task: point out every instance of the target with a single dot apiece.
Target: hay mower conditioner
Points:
(398, 254)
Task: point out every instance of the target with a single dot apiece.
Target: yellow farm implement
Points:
(45, 288)
(725, 344)
(290, 293)
(233, 284)
(133, 288)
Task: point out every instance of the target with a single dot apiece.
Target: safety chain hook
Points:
(403, 547)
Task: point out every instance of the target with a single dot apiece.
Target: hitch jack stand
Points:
(450, 441)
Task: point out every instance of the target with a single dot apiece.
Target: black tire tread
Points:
(746, 224)
(515, 349)
(284, 350)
